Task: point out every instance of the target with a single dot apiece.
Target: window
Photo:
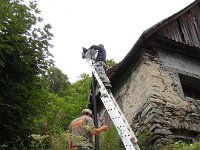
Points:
(190, 86)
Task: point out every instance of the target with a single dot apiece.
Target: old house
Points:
(157, 84)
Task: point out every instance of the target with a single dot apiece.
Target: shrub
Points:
(111, 140)
(180, 145)
(144, 140)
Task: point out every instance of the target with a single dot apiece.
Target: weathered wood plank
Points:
(185, 29)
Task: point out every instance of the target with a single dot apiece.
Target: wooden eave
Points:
(150, 39)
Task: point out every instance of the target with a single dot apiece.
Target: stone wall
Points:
(168, 122)
(151, 99)
(146, 82)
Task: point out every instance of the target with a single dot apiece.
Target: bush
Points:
(180, 145)
(144, 140)
(110, 140)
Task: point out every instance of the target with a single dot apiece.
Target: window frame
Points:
(190, 87)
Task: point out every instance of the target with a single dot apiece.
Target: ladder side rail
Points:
(114, 112)
(120, 123)
(121, 128)
(126, 122)
(124, 118)
(114, 101)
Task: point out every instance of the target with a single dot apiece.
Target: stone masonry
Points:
(151, 100)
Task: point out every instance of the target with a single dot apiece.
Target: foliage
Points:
(144, 140)
(60, 111)
(111, 140)
(58, 81)
(77, 96)
(51, 122)
(59, 141)
(24, 55)
(180, 145)
(38, 141)
(110, 63)
(35, 98)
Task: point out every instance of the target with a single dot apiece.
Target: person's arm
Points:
(69, 144)
(96, 131)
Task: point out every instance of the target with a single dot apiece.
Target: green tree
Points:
(24, 56)
(77, 95)
(60, 111)
(110, 63)
(58, 81)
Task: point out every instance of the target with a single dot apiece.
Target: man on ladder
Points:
(127, 135)
(100, 62)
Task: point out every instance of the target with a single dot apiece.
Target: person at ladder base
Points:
(100, 63)
(82, 130)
